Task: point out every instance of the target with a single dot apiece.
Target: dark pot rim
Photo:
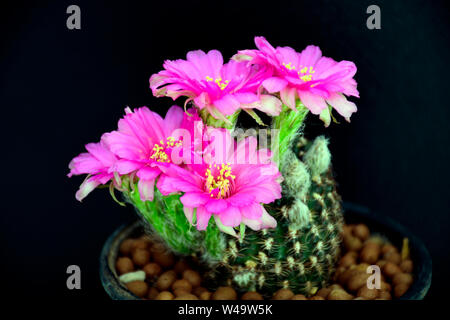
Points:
(353, 214)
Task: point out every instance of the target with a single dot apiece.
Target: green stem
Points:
(166, 218)
(227, 122)
(285, 128)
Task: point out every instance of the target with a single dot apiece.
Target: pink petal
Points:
(148, 173)
(246, 97)
(203, 217)
(223, 228)
(230, 217)
(252, 211)
(309, 56)
(241, 199)
(288, 97)
(189, 213)
(126, 166)
(101, 153)
(194, 200)
(313, 102)
(227, 105)
(146, 189)
(216, 205)
(270, 105)
(267, 220)
(342, 105)
(87, 187)
(173, 120)
(274, 84)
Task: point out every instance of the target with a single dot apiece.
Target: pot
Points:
(382, 225)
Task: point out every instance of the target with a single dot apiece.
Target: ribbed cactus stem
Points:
(301, 252)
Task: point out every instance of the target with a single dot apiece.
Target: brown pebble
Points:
(124, 265)
(400, 289)
(401, 277)
(193, 277)
(252, 295)
(370, 252)
(381, 263)
(152, 270)
(361, 231)
(283, 294)
(393, 257)
(345, 276)
(324, 292)
(182, 284)
(198, 291)
(316, 298)
(165, 295)
(384, 295)
(406, 266)
(390, 269)
(339, 294)
(164, 259)
(348, 259)
(166, 280)
(339, 271)
(205, 295)
(366, 293)
(352, 243)
(347, 229)
(357, 281)
(141, 257)
(139, 288)
(335, 286)
(384, 286)
(126, 246)
(152, 293)
(180, 292)
(224, 293)
(139, 244)
(181, 266)
(388, 248)
(187, 296)
(299, 297)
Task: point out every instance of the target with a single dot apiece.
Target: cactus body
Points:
(300, 254)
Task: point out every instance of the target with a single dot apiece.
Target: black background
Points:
(60, 89)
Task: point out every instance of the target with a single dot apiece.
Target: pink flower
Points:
(145, 143)
(231, 188)
(220, 88)
(97, 162)
(315, 79)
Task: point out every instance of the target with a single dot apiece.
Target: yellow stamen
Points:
(222, 181)
(159, 153)
(221, 84)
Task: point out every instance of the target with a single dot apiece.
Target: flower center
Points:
(160, 150)
(221, 84)
(305, 73)
(219, 180)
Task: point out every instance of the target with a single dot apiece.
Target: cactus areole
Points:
(259, 208)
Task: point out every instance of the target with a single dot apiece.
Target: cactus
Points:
(300, 254)
(203, 209)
